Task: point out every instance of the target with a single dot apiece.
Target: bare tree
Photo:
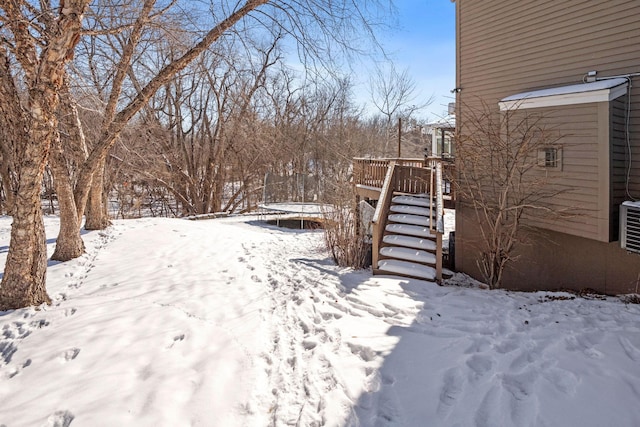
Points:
(210, 117)
(393, 93)
(23, 282)
(500, 179)
(42, 41)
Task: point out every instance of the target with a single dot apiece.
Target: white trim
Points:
(582, 93)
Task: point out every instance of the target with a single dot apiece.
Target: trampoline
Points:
(292, 196)
(293, 210)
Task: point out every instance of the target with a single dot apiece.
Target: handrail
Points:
(439, 220)
(389, 159)
(380, 215)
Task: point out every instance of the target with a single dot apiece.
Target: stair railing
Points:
(439, 219)
(380, 215)
(434, 164)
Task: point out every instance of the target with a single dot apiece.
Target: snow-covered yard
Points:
(231, 322)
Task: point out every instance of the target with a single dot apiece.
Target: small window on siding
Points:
(550, 157)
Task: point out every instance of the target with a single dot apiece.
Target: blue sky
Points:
(424, 44)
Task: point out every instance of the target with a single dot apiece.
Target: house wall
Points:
(554, 261)
(580, 179)
(506, 48)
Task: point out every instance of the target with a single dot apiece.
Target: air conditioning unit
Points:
(630, 226)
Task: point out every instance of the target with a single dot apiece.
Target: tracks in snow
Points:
(12, 363)
(315, 375)
(297, 364)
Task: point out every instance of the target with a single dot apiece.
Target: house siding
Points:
(511, 47)
(579, 178)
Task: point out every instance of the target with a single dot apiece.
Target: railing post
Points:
(438, 257)
(430, 191)
(439, 199)
(439, 221)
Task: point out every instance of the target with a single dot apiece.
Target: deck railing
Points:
(413, 176)
(371, 172)
(379, 220)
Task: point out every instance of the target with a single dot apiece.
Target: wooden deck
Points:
(412, 176)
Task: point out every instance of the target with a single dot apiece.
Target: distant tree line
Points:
(169, 107)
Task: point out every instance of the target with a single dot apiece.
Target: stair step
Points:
(410, 230)
(407, 268)
(409, 219)
(409, 242)
(408, 254)
(412, 200)
(410, 209)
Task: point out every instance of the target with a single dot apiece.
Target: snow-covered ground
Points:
(230, 322)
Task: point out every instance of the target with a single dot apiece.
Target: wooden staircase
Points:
(408, 224)
(408, 247)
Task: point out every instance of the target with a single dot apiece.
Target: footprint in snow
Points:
(309, 344)
(489, 413)
(39, 323)
(176, 339)
(60, 419)
(7, 350)
(70, 354)
(521, 399)
(585, 342)
(452, 384)
(630, 350)
(365, 353)
(507, 346)
(479, 364)
(478, 345)
(330, 316)
(14, 331)
(563, 380)
(592, 353)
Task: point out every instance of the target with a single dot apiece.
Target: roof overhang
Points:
(447, 122)
(582, 93)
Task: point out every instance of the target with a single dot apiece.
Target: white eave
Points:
(446, 122)
(582, 93)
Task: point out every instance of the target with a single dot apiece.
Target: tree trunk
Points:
(12, 125)
(23, 283)
(96, 214)
(69, 244)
